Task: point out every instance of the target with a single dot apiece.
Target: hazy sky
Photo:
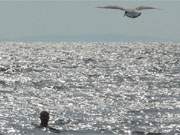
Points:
(70, 20)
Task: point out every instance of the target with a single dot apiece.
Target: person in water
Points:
(44, 117)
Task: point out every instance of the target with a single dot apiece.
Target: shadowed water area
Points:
(103, 88)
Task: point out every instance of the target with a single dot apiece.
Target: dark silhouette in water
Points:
(44, 117)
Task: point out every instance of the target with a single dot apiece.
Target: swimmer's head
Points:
(44, 116)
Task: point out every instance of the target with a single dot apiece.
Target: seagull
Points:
(130, 12)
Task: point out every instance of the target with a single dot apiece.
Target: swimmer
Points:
(44, 117)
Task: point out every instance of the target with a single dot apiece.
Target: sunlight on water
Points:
(102, 88)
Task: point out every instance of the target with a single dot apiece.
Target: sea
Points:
(101, 88)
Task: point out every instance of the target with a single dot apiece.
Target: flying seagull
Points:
(129, 12)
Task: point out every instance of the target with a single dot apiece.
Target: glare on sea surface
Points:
(112, 87)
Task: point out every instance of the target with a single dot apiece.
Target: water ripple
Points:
(115, 88)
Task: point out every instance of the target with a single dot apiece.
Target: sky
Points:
(80, 20)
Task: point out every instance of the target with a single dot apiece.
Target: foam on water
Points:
(103, 88)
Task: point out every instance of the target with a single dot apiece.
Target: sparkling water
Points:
(102, 88)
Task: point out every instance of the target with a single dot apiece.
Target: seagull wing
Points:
(144, 7)
(113, 7)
